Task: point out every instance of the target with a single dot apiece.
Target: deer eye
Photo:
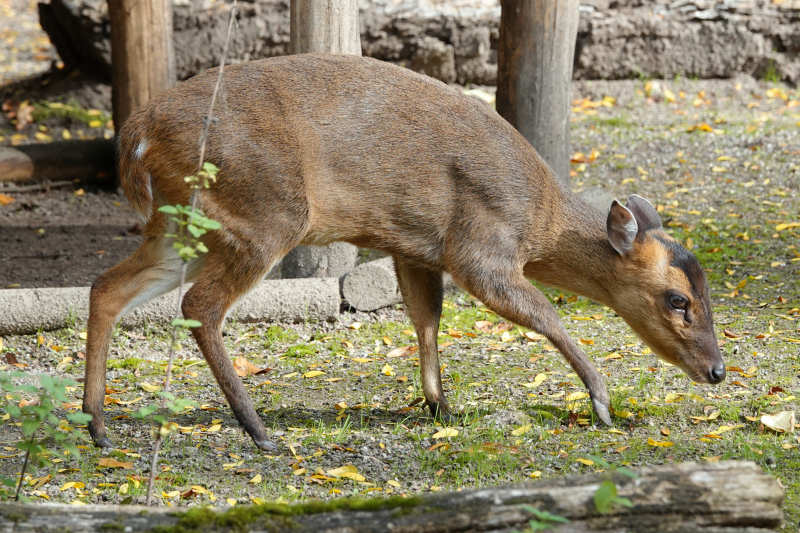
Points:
(677, 301)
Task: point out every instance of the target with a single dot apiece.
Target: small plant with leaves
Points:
(542, 520)
(606, 496)
(33, 408)
(159, 415)
(191, 222)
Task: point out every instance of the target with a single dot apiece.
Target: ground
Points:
(720, 159)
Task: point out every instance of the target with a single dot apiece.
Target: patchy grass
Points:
(341, 394)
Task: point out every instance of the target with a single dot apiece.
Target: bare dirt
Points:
(58, 239)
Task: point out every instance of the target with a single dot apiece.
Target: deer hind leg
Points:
(512, 296)
(227, 274)
(151, 271)
(422, 293)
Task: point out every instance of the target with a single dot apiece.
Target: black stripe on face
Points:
(685, 260)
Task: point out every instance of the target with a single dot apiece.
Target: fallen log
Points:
(730, 496)
(87, 161)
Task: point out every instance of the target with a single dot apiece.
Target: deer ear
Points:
(621, 227)
(646, 215)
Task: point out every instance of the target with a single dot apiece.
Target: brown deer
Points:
(314, 149)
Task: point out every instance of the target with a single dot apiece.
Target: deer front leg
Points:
(207, 302)
(513, 297)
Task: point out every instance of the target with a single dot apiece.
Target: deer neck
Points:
(579, 258)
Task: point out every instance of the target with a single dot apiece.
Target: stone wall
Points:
(455, 40)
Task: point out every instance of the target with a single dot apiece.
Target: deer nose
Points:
(716, 373)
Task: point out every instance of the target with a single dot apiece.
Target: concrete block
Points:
(25, 311)
(331, 261)
(371, 285)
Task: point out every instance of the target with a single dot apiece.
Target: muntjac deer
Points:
(314, 149)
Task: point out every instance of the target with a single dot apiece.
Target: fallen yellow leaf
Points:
(703, 126)
(110, 462)
(346, 471)
(538, 380)
(244, 367)
(149, 387)
(726, 428)
(445, 432)
(401, 351)
(313, 373)
(521, 430)
(255, 479)
(787, 225)
(575, 396)
(660, 443)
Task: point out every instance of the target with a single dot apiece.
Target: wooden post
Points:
(325, 26)
(329, 27)
(142, 58)
(534, 71)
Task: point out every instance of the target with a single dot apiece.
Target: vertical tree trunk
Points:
(142, 58)
(323, 26)
(534, 71)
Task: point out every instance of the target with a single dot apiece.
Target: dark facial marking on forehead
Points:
(683, 259)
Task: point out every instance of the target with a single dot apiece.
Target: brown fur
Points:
(314, 149)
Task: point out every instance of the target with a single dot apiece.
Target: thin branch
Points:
(22, 474)
(210, 117)
(181, 234)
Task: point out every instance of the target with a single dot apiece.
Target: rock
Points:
(331, 261)
(371, 285)
(455, 40)
(435, 59)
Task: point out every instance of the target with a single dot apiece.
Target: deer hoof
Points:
(602, 412)
(267, 445)
(441, 411)
(103, 442)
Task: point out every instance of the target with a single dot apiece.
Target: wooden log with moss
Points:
(725, 497)
(88, 161)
